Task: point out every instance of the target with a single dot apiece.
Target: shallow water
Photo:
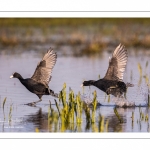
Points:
(71, 70)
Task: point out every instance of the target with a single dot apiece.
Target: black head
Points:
(16, 75)
(88, 83)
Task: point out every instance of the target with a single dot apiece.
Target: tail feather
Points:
(51, 92)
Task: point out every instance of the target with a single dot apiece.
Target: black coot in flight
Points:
(38, 83)
(113, 83)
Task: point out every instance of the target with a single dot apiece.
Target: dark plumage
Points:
(113, 83)
(38, 83)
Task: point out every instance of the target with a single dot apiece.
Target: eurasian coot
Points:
(38, 83)
(113, 83)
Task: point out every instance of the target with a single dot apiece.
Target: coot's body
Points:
(38, 83)
(113, 83)
(116, 88)
(37, 88)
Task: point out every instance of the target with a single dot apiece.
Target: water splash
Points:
(86, 98)
(122, 102)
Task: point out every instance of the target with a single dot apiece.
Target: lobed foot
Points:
(33, 103)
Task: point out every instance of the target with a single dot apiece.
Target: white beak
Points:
(11, 76)
(81, 85)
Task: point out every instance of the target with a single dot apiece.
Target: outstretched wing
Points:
(117, 64)
(44, 68)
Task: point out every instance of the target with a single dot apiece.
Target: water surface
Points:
(73, 71)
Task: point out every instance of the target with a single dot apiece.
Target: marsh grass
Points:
(140, 69)
(10, 113)
(94, 103)
(87, 36)
(93, 48)
(118, 116)
(132, 116)
(71, 111)
(37, 130)
(140, 72)
(148, 100)
(4, 101)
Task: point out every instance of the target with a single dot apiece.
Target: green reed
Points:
(118, 116)
(140, 69)
(94, 103)
(148, 100)
(146, 117)
(37, 130)
(58, 108)
(132, 117)
(87, 113)
(140, 72)
(106, 125)
(79, 106)
(70, 113)
(101, 123)
(108, 98)
(10, 113)
(146, 65)
(4, 102)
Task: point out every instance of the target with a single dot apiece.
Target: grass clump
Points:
(71, 111)
(93, 48)
(4, 102)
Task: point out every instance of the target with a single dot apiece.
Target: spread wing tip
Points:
(117, 63)
(50, 53)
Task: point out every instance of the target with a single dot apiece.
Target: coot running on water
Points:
(38, 83)
(113, 83)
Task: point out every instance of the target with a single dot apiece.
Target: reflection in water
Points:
(48, 123)
(39, 119)
(114, 124)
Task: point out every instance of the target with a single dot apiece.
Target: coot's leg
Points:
(34, 103)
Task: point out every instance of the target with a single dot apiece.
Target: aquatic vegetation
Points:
(118, 116)
(4, 102)
(93, 48)
(86, 35)
(140, 69)
(146, 65)
(108, 98)
(71, 110)
(140, 72)
(148, 101)
(10, 113)
(36, 130)
(94, 103)
(132, 116)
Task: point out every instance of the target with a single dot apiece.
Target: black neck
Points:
(20, 77)
(88, 83)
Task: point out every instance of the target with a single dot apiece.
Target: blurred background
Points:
(74, 36)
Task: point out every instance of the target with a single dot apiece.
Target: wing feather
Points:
(117, 64)
(44, 68)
